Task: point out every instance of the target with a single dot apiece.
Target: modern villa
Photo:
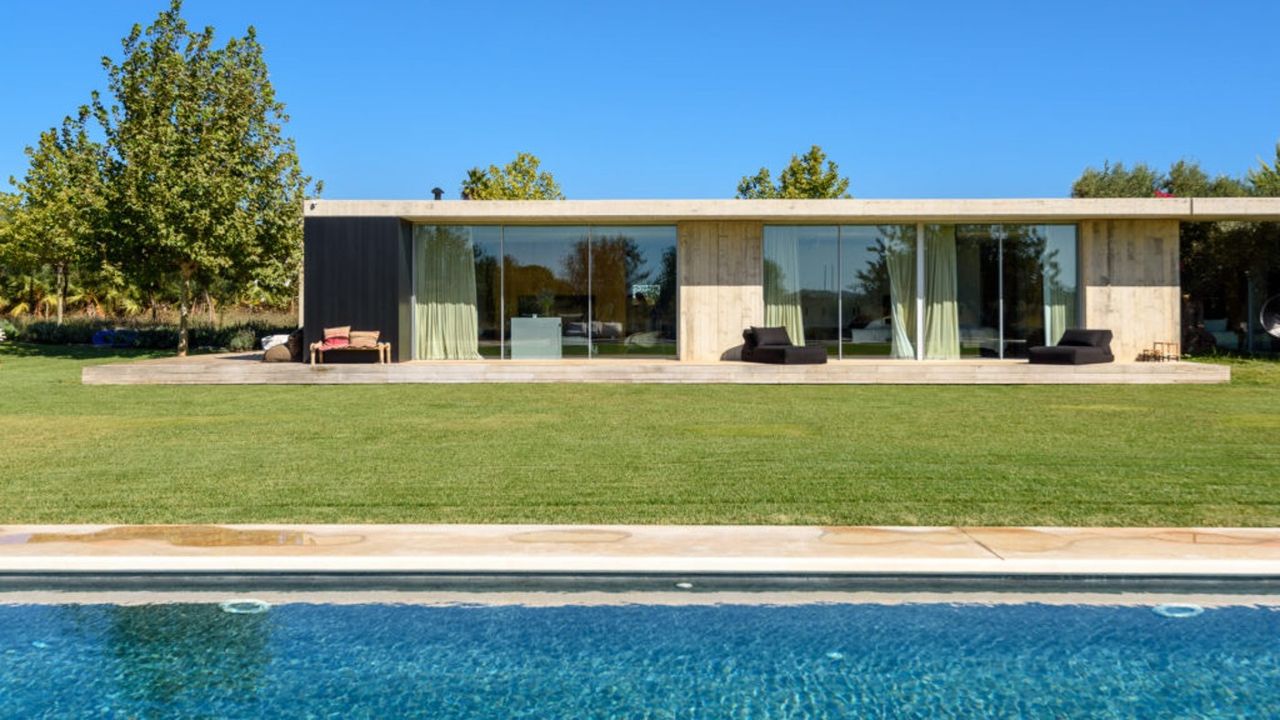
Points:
(905, 280)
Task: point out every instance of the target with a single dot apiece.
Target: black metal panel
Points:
(355, 274)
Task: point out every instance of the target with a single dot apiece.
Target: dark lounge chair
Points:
(1077, 347)
(773, 345)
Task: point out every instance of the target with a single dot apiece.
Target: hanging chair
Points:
(1270, 316)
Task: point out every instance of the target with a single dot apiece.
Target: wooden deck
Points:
(246, 370)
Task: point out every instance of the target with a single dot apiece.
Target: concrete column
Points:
(1129, 272)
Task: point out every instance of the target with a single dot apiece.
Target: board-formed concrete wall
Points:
(721, 272)
(1130, 276)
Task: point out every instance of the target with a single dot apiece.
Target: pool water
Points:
(637, 661)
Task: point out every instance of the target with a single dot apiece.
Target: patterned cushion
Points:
(336, 342)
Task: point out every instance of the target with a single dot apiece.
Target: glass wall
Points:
(544, 292)
(1015, 287)
(800, 283)
(456, 281)
(877, 296)
(633, 291)
(988, 291)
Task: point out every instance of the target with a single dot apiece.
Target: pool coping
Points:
(639, 550)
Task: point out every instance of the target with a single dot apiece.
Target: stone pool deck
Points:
(639, 549)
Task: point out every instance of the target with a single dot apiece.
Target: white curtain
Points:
(782, 281)
(447, 327)
(900, 262)
(941, 320)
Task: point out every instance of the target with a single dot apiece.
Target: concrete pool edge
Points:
(640, 549)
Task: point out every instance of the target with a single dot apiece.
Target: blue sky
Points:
(681, 99)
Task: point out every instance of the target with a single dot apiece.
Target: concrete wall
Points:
(1130, 276)
(721, 271)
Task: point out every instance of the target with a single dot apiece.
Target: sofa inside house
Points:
(772, 345)
(1078, 346)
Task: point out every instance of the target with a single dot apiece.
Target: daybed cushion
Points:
(1068, 355)
(771, 336)
(337, 341)
(364, 338)
(788, 355)
(1080, 337)
(1078, 346)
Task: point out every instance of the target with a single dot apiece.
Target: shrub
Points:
(238, 337)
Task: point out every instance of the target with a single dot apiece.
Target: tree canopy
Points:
(206, 190)
(1184, 178)
(520, 179)
(61, 215)
(810, 175)
(186, 183)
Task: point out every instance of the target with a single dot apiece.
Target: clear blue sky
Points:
(680, 99)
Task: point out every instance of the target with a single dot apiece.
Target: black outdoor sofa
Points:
(773, 345)
(1077, 347)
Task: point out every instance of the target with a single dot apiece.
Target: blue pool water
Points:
(637, 661)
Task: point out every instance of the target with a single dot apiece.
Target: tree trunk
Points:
(62, 289)
(184, 312)
(208, 304)
(151, 300)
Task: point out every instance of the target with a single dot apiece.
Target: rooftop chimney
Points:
(438, 193)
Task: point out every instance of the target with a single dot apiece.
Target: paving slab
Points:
(639, 549)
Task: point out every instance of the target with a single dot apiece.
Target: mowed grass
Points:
(1070, 455)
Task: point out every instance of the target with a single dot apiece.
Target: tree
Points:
(206, 191)
(1116, 181)
(519, 179)
(63, 206)
(1264, 180)
(809, 176)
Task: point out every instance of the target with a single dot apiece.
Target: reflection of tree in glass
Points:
(616, 265)
(870, 297)
(196, 650)
(665, 307)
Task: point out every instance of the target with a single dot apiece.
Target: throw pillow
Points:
(336, 342)
(344, 331)
(364, 338)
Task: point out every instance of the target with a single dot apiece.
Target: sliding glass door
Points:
(985, 290)
(544, 292)
(1015, 287)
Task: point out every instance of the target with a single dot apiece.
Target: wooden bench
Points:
(318, 350)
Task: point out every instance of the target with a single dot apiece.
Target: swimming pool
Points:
(735, 654)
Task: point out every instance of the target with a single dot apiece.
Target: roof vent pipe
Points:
(438, 193)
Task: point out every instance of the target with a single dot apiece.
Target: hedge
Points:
(237, 337)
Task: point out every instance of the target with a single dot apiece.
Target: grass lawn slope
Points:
(1069, 455)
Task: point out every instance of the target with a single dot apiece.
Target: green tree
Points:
(1117, 181)
(519, 179)
(1264, 180)
(809, 176)
(63, 203)
(206, 191)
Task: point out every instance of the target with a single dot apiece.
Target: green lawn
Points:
(1156, 455)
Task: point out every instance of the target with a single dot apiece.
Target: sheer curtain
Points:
(1059, 269)
(941, 321)
(445, 282)
(900, 263)
(782, 281)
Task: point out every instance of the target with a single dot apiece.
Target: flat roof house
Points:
(681, 279)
